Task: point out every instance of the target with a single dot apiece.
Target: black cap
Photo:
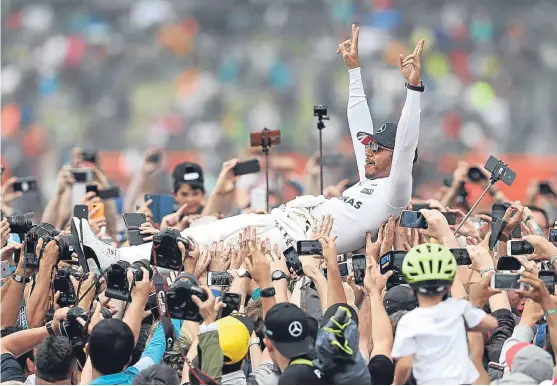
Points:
(384, 136)
(188, 173)
(288, 327)
(399, 298)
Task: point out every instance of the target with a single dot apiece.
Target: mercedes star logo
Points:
(295, 329)
(382, 128)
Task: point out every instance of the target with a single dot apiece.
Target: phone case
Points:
(134, 220)
(81, 211)
(135, 237)
(99, 206)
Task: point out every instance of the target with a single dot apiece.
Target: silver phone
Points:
(5, 268)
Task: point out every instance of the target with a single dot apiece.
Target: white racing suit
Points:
(361, 208)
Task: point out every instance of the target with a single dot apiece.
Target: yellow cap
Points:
(234, 339)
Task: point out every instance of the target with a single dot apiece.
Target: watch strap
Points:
(268, 292)
(552, 259)
(419, 88)
(278, 276)
(486, 270)
(20, 279)
(49, 328)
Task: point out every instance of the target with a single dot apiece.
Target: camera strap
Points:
(161, 288)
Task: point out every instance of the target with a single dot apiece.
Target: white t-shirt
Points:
(436, 336)
(365, 206)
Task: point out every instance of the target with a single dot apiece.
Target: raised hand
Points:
(226, 182)
(349, 49)
(410, 65)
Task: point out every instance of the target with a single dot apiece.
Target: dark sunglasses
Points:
(374, 147)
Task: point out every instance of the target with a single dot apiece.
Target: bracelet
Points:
(552, 311)
(486, 270)
(419, 88)
(552, 259)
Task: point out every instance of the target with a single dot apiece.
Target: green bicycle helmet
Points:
(429, 269)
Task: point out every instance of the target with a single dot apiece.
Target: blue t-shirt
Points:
(123, 378)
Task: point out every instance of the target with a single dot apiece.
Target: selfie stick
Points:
(496, 175)
(321, 113)
(266, 146)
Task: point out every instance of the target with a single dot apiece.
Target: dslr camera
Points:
(179, 302)
(117, 285)
(20, 224)
(63, 283)
(74, 331)
(67, 244)
(166, 253)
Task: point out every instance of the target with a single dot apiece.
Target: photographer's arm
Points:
(221, 197)
(50, 213)
(11, 296)
(39, 300)
(335, 290)
(140, 294)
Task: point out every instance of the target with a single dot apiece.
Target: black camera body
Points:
(63, 283)
(117, 285)
(67, 244)
(179, 302)
(30, 252)
(320, 111)
(500, 171)
(166, 251)
(72, 329)
(20, 224)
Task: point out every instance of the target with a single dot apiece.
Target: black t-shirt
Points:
(10, 370)
(301, 374)
(382, 370)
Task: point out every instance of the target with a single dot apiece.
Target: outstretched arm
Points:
(359, 118)
(399, 185)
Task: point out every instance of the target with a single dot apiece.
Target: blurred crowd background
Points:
(197, 76)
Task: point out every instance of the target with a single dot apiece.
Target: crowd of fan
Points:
(316, 329)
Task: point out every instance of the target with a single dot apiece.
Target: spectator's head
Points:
(430, 270)
(395, 318)
(234, 336)
(27, 360)
(56, 362)
(379, 150)
(188, 183)
(288, 334)
(399, 298)
(541, 218)
(110, 346)
(157, 375)
(330, 312)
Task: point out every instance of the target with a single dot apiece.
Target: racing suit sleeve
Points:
(359, 117)
(398, 188)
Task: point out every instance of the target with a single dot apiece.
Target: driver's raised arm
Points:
(359, 118)
(399, 185)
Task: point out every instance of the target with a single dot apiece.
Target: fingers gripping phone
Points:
(98, 208)
(359, 268)
(548, 278)
(342, 269)
(133, 221)
(519, 247)
(247, 167)
(506, 281)
(309, 247)
(414, 219)
(293, 262)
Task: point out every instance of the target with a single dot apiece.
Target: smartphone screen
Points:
(385, 263)
(309, 247)
(462, 256)
(508, 263)
(506, 281)
(397, 259)
(231, 302)
(219, 279)
(293, 262)
(343, 269)
(519, 247)
(552, 235)
(134, 220)
(412, 219)
(548, 278)
(247, 167)
(359, 268)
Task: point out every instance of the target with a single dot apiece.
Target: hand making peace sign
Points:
(410, 65)
(349, 49)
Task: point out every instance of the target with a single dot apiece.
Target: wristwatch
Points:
(278, 275)
(268, 292)
(419, 88)
(242, 272)
(49, 328)
(20, 279)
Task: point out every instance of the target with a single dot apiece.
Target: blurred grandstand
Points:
(122, 75)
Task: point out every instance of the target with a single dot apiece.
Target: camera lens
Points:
(21, 223)
(63, 274)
